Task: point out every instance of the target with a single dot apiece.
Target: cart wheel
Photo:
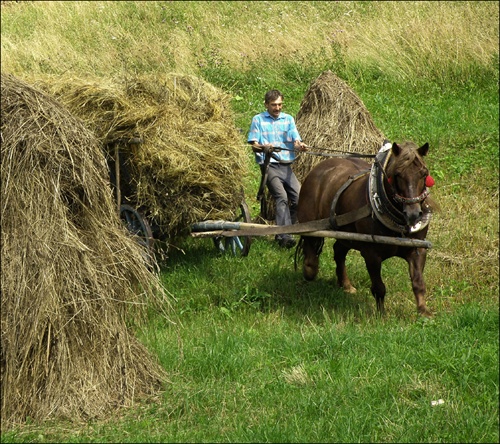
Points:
(237, 245)
(139, 227)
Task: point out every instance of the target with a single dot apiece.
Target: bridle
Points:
(383, 209)
(398, 197)
(412, 200)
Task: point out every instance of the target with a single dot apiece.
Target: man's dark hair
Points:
(272, 95)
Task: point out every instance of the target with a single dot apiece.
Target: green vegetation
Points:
(258, 354)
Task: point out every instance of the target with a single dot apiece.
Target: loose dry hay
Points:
(192, 160)
(71, 274)
(333, 117)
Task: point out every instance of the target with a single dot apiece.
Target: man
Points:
(270, 130)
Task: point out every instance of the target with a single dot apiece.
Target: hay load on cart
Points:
(71, 275)
(181, 158)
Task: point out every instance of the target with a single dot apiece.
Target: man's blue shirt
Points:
(280, 132)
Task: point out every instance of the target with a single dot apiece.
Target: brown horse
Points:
(388, 198)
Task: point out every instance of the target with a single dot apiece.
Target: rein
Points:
(340, 154)
(331, 152)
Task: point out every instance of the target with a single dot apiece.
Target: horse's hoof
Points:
(425, 312)
(309, 272)
(309, 277)
(349, 289)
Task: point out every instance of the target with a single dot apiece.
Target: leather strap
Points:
(353, 216)
(347, 218)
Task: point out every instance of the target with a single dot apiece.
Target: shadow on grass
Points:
(297, 297)
(191, 252)
(267, 281)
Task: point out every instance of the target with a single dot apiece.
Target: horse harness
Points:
(379, 205)
(338, 220)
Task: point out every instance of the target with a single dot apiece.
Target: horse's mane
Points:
(406, 157)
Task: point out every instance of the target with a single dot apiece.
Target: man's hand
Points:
(267, 148)
(300, 146)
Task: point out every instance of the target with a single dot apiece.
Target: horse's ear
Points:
(423, 150)
(396, 149)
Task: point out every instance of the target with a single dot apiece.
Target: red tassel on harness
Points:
(389, 179)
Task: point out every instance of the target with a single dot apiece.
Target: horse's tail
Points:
(299, 252)
(299, 249)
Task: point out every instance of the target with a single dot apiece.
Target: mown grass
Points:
(258, 354)
(315, 370)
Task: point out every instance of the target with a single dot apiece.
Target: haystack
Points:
(333, 117)
(71, 275)
(192, 159)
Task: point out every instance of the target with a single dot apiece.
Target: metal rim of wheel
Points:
(139, 227)
(236, 245)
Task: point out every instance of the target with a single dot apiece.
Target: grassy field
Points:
(258, 354)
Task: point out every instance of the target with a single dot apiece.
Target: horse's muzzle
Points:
(413, 213)
(411, 207)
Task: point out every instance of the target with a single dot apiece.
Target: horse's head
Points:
(409, 179)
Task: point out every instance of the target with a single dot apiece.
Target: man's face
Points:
(274, 107)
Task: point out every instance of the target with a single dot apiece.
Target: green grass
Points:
(273, 375)
(329, 380)
(258, 354)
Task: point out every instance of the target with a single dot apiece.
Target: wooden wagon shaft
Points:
(302, 228)
(117, 178)
(256, 229)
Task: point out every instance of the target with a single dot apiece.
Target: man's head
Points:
(273, 101)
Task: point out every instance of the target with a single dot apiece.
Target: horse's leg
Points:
(339, 254)
(374, 266)
(416, 262)
(311, 247)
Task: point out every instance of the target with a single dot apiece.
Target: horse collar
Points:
(382, 207)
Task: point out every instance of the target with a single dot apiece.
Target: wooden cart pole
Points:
(117, 174)
(313, 229)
